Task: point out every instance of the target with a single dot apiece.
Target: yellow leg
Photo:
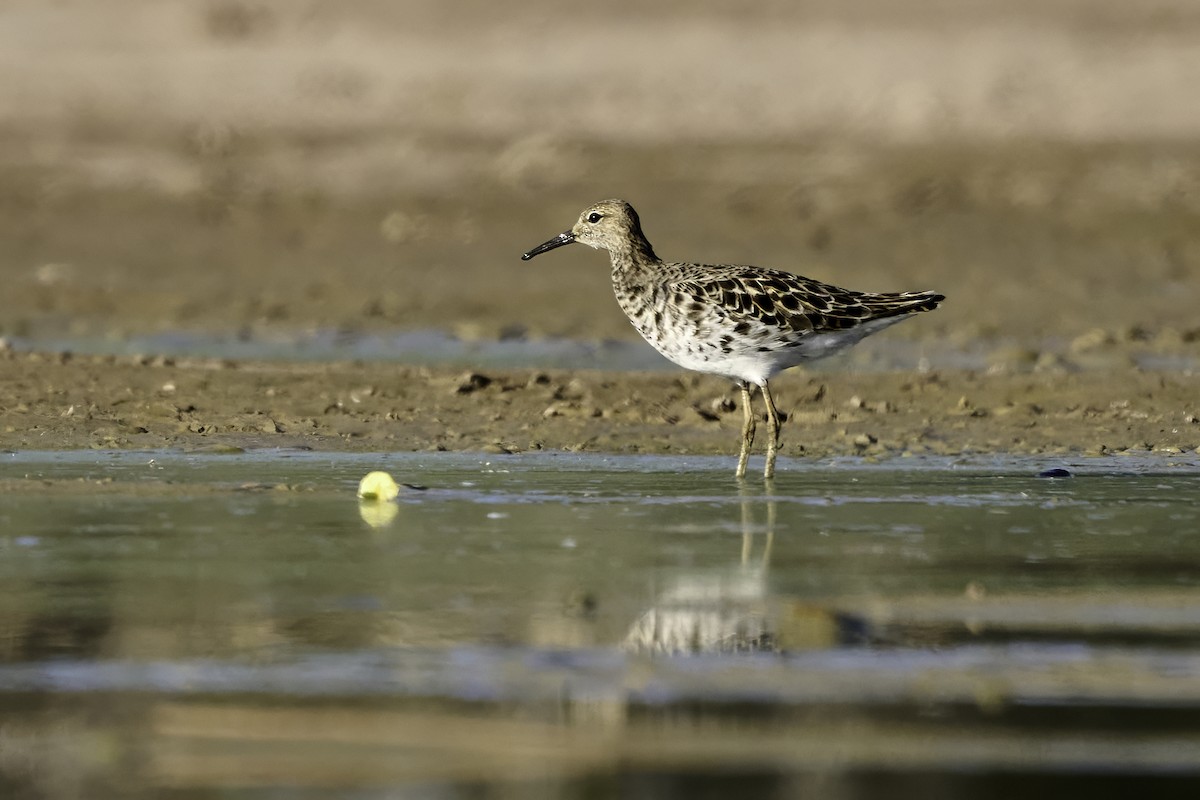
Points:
(748, 427)
(773, 442)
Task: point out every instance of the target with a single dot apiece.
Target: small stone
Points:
(581, 603)
(1015, 359)
(722, 405)
(470, 382)
(574, 390)
(1134, 333)
(1056, 472)
(571, 410)
(1094, 339)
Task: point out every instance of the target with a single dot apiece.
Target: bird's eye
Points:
(594, 217)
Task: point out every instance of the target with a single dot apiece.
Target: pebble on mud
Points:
(575, 389)
(1011, 359)
(722, 405)
(571, 410)
(1056, 472)
(1094, 339)
(470, 382)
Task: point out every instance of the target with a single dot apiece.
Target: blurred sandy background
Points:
(289, 165)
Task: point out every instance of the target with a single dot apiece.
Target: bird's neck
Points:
(633, 258)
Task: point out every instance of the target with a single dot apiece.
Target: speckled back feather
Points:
(782, 299)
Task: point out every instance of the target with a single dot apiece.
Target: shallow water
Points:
(574, 625)
(410, 347)
(519, 351)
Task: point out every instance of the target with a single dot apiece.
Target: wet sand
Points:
(64, 402)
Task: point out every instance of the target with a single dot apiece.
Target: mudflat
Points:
(266, 170)
(64, 402)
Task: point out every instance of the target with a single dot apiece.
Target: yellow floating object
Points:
(378, 486)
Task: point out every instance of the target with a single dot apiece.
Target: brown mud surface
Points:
(271, 169)
(54, 402)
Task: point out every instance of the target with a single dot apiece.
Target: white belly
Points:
(757, 358)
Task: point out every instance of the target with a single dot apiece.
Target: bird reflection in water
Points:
(734, 611)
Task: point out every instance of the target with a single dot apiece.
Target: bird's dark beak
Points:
(566, 237)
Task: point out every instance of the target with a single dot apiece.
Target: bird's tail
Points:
(900, 303)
